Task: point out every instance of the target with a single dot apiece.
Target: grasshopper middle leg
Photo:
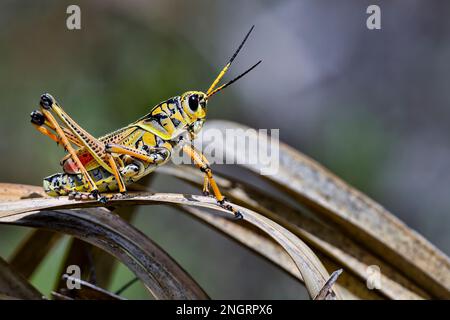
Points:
(155, 156)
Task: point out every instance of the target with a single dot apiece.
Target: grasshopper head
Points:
(194, 104)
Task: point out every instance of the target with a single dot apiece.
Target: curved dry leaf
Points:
(367, 221)
(81, 254)
(245, 234)
(326, 292)
(14, 286)
(311, 269)
(350, 286)
(258, 242)
(96, 264)
(34, 248)
(162, 276)
(319, 235)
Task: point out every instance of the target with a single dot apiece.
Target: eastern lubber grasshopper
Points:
(118, 159)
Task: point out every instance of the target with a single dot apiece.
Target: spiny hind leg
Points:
(94, 146)
(77, 135)
(201, 162)
(47, 102)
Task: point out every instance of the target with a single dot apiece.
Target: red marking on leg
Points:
(85, 158)
(70, 166)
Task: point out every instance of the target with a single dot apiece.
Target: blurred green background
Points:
(372, 106)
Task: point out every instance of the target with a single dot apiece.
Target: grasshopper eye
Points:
(193, 102)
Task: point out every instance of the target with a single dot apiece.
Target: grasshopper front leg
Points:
(202, 163)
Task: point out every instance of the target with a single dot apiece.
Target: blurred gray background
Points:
(372, 106)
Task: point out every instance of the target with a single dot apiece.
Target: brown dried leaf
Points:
(337, 246)
(254, 239)
(163, 277)
(24, 211)
(97, 265)
(364, 219)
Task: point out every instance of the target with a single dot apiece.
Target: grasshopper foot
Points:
(102, 199)
(237, 214)
(206, 193)
(96, 195)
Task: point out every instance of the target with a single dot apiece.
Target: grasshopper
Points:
(116, 160)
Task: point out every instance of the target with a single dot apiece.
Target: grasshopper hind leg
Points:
(43, 118)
